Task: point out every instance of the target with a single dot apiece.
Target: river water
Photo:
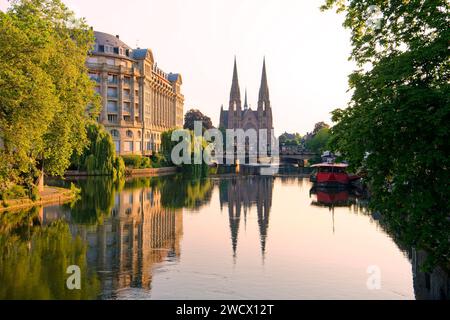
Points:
(233, 237)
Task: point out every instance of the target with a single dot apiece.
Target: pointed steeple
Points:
(235, 93)
(245, 101)
(264, 88)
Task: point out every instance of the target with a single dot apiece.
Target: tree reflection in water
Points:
(119, 232)
(34, 259)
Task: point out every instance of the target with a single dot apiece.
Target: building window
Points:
(139, 134)
(117, 145)
(128, 146)
(98, 90)
(114, 133)
(127, 107)
(101, 48)
(112, 79)
(127, 81)
(112, 106)
(110, 62)
(112, 118)
(127, 118)
(94, 76)
(129, 134)
(126, 94)
(116, 50)
(138, 146)
(112, 92)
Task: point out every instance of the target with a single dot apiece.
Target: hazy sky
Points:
(306, 50)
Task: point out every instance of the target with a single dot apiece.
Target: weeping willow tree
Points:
(99, 158)
(191, 169)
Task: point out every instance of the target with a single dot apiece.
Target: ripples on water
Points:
(239, 237)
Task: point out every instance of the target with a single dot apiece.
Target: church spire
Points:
(235, 93)
(264, 88)
(245, 101)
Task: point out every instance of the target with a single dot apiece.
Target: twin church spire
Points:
(235, 92)
(240, 116)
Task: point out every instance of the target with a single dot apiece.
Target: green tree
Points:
(292, 139)
(319, 141)
(396, 125)
(46, 96)
(99, 157)
(319, 126)
(196, 115)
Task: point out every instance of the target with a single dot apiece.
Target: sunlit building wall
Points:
(139, 100)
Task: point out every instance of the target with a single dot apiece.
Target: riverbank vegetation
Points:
(46, 96)
(192, 168)
(99, 157)
(396, 126)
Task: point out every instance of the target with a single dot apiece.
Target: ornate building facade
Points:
(139, 100)
(243, 117)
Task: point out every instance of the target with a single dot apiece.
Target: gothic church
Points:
(238, 117)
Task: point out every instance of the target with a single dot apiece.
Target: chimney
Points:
(117, 36)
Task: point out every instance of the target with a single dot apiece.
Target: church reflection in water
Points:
(240, 195)
(130, 230)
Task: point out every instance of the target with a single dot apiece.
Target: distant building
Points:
(139, 100)
(243, 117)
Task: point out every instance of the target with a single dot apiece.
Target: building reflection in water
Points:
(141, 226)
(137, 235)
(240, 195)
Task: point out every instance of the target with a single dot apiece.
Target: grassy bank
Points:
(50, 195)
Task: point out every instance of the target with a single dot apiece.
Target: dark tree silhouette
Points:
(195, 115)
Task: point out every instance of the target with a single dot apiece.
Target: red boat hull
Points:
(332, 178)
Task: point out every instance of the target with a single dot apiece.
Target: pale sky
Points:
(306, 50)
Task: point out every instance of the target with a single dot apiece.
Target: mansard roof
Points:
(142, 54)
(103, 38)
(174, 77)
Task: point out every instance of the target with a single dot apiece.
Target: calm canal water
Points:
(234, 237)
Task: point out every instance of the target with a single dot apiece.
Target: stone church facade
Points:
(240, 116)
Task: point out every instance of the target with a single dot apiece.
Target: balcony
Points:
(109, 68)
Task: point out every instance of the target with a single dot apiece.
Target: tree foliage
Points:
(397, 124)
(195, 115)
(319, 141)
(291, 139)
(45, 92)
(99, 157)
(319, 126)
